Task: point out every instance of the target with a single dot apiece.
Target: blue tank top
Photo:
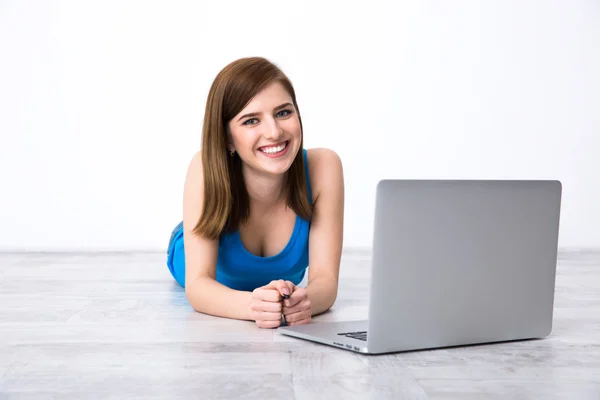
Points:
(239, 269)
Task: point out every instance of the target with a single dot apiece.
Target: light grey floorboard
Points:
(116, 326)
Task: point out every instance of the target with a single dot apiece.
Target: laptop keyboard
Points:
(355, 335)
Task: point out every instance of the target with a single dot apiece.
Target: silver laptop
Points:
(455, 262)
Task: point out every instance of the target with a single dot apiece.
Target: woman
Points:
(258, 208)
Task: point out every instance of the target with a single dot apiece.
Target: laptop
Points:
(454, 263)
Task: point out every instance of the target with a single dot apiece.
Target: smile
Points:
(274, 149)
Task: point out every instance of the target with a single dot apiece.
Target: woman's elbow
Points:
(192, 289)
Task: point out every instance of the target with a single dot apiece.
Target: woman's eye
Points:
(254, 119)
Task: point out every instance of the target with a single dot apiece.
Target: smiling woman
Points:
(255, 203)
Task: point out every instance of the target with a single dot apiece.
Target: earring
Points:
(231, 152)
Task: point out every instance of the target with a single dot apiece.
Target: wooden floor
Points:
(115, 326)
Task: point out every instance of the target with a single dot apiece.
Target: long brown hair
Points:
(226, 203)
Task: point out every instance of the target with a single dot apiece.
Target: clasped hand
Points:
(268, 304)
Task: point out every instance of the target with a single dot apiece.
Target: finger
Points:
(267, 306)
(292, 301)
(293, 314)
(298, 318)
(295, 298)
(266, 316)
(280, 286)
(303, 305)
(268, 324)
(283, 288)
(302, 322)
(291, 287)
(268, 294)
(297, 315)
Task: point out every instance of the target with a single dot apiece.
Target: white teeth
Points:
(271, 150)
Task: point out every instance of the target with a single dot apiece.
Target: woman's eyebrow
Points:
(257, 113)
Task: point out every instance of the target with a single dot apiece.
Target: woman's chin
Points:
(275, 170)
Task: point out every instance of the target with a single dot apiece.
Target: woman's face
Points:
(269, 140)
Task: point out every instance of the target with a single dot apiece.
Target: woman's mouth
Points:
(273, 151)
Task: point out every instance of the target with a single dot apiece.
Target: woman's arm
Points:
(204, 293)
(326, 231)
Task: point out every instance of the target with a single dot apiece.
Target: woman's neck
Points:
(263, 190)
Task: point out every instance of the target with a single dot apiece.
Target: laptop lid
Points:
(462, 262)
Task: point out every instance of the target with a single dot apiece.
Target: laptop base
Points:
(348, 335)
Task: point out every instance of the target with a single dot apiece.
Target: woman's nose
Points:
(273, 131)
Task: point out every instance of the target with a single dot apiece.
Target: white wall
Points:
(101, 104)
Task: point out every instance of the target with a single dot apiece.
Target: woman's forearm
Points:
(322, 294)
(208, 296)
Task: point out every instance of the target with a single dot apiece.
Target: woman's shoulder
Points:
(193, 188)
(324, 168)
(322, 157)
(195, 171)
